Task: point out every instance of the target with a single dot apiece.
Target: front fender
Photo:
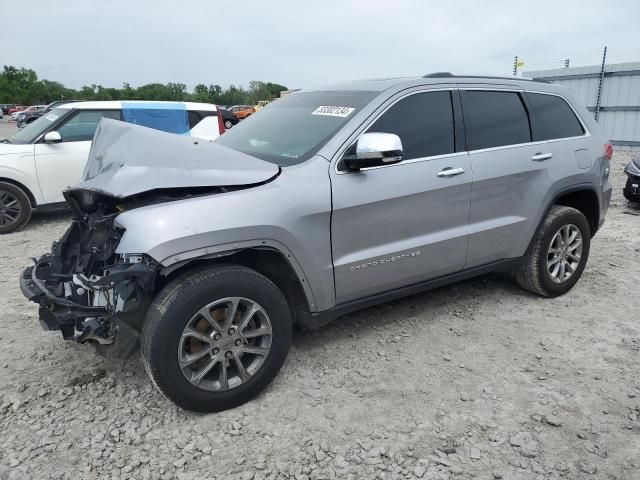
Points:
(20, 168)
(291, 214)
(223, 250)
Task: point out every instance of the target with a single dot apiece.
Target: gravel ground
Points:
(479, 379)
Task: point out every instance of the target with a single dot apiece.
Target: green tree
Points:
(200, 93)
(19, 84)
(22, 86)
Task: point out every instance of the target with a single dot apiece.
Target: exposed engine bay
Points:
(84, 289)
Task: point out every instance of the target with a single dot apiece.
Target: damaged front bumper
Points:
(89, 293)
(56, 313)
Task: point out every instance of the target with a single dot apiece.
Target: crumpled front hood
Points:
(127, 159)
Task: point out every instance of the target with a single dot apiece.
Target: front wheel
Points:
(15, 208)
(215, 338)
(228, 124)
(558, 254)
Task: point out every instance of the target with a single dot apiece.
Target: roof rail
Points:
(451, 75)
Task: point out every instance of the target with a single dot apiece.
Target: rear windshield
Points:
(290, 130)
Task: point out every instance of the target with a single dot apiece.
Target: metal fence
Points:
(612, 93)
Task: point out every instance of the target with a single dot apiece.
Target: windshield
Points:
(33, 130)
(290, 130)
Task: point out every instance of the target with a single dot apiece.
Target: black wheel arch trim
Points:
(560, 193)
(177, 261)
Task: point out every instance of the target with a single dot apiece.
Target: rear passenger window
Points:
(424, 123)
(494, 119)
(552, 117)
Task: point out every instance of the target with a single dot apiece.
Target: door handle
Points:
(540, 157)
(450, 172)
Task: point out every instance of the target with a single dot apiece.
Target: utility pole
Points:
(515, 65)
(600, 85)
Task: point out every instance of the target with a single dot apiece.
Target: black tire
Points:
(533, 274)
(173, 308)
(228, 124)
(15, 208)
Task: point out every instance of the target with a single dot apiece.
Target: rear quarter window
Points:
(552, 117)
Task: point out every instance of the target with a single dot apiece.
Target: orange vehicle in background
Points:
(242, 111)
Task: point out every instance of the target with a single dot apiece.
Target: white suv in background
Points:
(38, 162)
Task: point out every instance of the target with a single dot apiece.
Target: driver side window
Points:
(424, 123)
(83, 124)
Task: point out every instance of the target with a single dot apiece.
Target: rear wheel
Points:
(215, 338)
(228, 124)
(558, 254)
(15, 208)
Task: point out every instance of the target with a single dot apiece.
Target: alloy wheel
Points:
(564, 254)
(224, 344)
(10, 208)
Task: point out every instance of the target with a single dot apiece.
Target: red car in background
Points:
(17, 108)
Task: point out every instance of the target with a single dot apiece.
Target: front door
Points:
(401, 224)
(60, 165)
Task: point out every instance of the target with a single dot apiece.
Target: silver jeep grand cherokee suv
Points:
(326, 201)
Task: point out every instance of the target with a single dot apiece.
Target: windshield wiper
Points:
(5, 140)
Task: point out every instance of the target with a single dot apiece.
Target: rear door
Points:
(511, 174)
(60, 165)
(401, 224)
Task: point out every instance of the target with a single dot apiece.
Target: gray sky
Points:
(303, 43)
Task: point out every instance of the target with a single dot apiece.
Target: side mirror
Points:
(374, 150)
(52, 137)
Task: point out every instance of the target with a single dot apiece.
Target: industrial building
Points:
(612, 94)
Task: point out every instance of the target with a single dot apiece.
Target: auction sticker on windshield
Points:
(333, 111)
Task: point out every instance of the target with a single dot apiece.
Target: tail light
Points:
(608, 150)
(221, 128)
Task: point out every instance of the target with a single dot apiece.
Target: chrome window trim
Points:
(539, 142)
(408, 162)
(340, 153)
(587, 133)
